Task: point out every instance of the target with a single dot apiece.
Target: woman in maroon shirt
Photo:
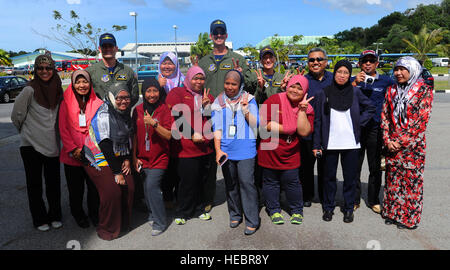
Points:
(192, 143)
(152, 122)
(288, 116)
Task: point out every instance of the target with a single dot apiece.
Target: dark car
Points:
(146, 71)
(426, 75)
(10, 87)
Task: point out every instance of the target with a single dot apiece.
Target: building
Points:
(286, 39)
(156, 49)
(26, 60)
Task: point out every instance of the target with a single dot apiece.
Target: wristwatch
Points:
(156, 124)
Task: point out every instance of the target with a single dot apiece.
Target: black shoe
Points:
(307, 204)
(388, 221)
(327, 215)
(83, 223)
(401, 227)
(348, 217)
(234, 224)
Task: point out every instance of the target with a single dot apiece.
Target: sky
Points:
(248, 21)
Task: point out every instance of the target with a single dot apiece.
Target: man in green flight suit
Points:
(109, 71)
(221, 60)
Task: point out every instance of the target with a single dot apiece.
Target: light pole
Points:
(134, 14)
(377, 46)
(176, 51)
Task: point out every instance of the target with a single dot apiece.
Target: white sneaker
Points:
(44, 228)
(56, 224)
(156, 232)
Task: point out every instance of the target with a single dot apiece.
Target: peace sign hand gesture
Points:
(286, 79)
(303, 105)
(260, 77)
(194, 60)
(244, 103)
(206, 100)
(236, 65)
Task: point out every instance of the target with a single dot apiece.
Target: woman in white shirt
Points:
(341, 111)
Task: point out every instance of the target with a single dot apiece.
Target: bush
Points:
(3, 74)
(428, 64)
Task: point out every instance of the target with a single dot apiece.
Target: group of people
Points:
(265, 129)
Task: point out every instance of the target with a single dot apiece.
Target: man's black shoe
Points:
(348, 217)
(327, 215)
(307, 204)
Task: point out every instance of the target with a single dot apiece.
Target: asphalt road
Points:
(368, 230)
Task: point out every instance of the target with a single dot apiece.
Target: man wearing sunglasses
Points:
(109, 71)
(374, 86)
(221, 60)
(318, 78)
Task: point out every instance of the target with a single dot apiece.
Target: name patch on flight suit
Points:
(105, 78)
(225, 66)
(276, 84)
(121, 77)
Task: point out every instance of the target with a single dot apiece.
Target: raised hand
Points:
(303, 105)
(194, 60)
(236, 65)
(286, 79)
(162, 81)
(148, 120)
(244, 103)
(260, 77)
(205, 99)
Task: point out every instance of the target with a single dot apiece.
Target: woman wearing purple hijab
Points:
(170, 75)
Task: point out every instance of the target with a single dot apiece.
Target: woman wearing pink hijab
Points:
(76, 111)
(169, 73)
(192, 149)
(287, 116)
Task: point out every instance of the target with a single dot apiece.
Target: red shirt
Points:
(185, 147)
(158, 156)
(284, 153)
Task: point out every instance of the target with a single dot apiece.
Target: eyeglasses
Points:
(363, 61)
(318, 59)
(123, 98)
(46, 68)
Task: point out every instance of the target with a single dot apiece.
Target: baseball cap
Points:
(216, 24)
(265, 50)
(107, 38)
(368, 52)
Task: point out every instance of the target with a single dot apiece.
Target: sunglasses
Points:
(46, 68)
(318, 59)
(219, 31)
(363, 61)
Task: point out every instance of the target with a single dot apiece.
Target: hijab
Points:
(149, 107)
(400, 101)
(47, 94)
(120, 123)
(82, 100)
(223, 98)
(175, 79)
(290, 109)
(340, 97)
(194, 70)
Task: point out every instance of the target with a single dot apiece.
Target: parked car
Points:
(15, 70)
(10, 87)
(146, 71)
(426, 75)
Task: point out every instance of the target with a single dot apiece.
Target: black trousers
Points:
(169, 183)
(306, 171)
(349, 163)
(194, 174)
(371, 142)
(77, 178)
(35, 163)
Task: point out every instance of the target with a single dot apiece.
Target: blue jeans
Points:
(273, 180)
(242, 195)
(154, 198)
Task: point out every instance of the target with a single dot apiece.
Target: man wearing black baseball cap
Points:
(268, 82)
(221, 60)
(109, 71)
(374, 86)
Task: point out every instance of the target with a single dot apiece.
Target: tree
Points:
(77, 35)
(202, 47)
(4, 58)
(425, 42)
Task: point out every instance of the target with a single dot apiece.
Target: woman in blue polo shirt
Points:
(235, 119)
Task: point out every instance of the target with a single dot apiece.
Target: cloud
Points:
(73, 2)
(178, 5)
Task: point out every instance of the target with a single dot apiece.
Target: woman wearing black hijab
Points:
(152, 122)
(341, 111)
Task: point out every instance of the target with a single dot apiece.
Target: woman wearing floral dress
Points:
(404, 118)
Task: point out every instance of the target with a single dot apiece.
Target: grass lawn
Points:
(441, 85)
(439, 70)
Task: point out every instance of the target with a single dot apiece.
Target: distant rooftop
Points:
(304, 41)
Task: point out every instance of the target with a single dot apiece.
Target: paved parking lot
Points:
(367, 230)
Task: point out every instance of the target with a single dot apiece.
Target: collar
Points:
(118, 65)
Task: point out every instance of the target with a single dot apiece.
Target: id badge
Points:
(232, 130)
(82, 119)
(147, 143)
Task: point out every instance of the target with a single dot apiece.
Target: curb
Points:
(440, 75)
(442, 91)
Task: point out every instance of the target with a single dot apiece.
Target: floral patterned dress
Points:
(403, 191)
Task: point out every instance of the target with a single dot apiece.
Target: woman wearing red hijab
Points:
(76, 111)
(288, 116)
(191, 145)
